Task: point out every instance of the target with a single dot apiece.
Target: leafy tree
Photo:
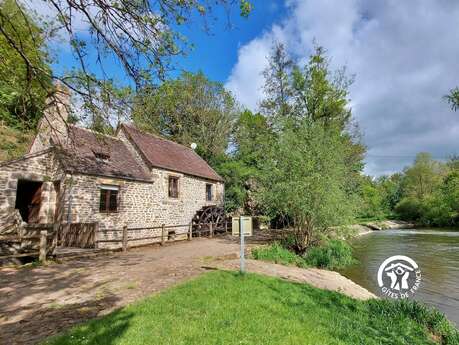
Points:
(141, 36)
(278, 87)
(305, 176)
(390, 190)
(319, 94)
(236, 174)
(189, 109)
(22, 90)
(372, 199)
(252, 137)
(303, 181)
(423, 177)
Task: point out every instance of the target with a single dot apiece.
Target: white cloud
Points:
(404, 55)
(245, 80)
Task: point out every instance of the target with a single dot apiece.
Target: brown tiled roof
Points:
(166, 154)
(102, 155)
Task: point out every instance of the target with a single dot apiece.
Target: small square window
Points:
(209, 192)
(173, 187)
(108, 199)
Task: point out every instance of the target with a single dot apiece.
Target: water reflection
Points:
(435, 251)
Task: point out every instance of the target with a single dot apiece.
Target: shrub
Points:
(333, 254)
(278, 254)
(432, 319)
(409, 209)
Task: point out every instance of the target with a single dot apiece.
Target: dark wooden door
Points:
(35, 205)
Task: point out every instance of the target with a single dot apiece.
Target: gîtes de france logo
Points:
(399, 277)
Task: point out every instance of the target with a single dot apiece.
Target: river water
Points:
(435, 251)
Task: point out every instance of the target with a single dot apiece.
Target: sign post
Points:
(242, 254)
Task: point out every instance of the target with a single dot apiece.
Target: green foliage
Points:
(423, 177)
(409, 209)
(303, 180)
(334, 254)
(309, 167)
(430, 192)
(432, 319)
(229, 308)
(13, 143)
(23, 89)
(236, 174)
(379, 197)
(278, 254)
(453, 98)
(372, 201)
(189, 109)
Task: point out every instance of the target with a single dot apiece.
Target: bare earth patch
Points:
(39, 302)
(323, 279)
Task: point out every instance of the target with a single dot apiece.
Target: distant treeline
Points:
(426, 192)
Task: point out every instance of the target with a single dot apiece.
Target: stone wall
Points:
(140, 204)
(40, 167)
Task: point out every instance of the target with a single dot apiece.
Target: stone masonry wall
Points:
(40, 166)
(140, 204)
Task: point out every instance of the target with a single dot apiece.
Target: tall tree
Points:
(252, 138)
(305, 176)
(320, 94)
(423, 177)
(189, 109)
(278, 87)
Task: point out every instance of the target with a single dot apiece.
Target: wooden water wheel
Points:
(206, 216)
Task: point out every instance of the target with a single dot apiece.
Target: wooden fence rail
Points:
(44, 238)
(46, 243)
(162, 238)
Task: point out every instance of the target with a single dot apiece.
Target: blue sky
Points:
(403, 54)
(216, 53)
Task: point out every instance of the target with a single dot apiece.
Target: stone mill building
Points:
(133, 178)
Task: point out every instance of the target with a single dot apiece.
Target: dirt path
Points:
(39, 302)
(322, 279)
(36, 303)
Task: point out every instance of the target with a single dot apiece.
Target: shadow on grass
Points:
(54, 319)
(106, 331)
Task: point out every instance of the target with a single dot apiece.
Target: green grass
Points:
(227, 308)
(333, 254)
(278, 254)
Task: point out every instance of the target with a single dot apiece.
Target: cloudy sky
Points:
(404, 55)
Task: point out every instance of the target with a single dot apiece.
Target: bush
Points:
(409, 209)
(432, 319)
(333, 254)
(278, 254)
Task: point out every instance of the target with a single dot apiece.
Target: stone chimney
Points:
(53, 126)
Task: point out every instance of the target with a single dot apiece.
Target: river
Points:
(435, 251)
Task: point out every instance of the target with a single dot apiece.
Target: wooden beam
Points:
(43, 238)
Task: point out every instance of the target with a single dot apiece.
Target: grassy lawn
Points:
(227, 308)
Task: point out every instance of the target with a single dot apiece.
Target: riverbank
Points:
(436, 251)
(368, 227)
